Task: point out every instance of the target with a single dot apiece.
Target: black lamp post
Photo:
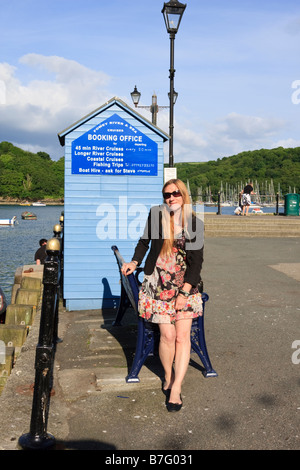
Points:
(135, 95)
(173, 12)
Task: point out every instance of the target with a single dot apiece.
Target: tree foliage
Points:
(26, 175)
(280, 165)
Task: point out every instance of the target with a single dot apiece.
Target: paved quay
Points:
(251, 324)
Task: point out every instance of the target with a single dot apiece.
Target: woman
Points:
(169, 295)
(246, 198)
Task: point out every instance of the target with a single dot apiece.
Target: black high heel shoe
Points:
(166, 392)
(174, 406)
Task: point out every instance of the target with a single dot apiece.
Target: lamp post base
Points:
(30, 442)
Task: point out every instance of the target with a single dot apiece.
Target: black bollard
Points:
(219, 205)
(57, 231)
(61, 221)
(38, 438)
(277, 204)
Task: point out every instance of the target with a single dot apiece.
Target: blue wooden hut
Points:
(114, 171)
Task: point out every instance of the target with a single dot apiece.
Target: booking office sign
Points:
(114, 147)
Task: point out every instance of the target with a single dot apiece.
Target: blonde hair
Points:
(168, 217)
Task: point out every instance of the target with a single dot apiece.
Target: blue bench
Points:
(148, 333)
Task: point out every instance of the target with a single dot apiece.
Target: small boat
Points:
(11, 221)
(227, 204)
(257, 210)
(25, 203)
(28, 215)
(38, 203)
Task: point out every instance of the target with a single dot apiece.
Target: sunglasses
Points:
(174, 193)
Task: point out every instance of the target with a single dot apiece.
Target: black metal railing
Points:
(38, 438)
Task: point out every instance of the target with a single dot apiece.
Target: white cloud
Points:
(227, 136)
(251, 127)
(189, 145)
(74, 84)
(286, 143)
(62, 91)
(34, 113)
(235, 133)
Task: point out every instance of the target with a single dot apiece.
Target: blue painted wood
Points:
(115, 105)
(90, 278)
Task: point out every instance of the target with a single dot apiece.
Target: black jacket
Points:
(153, 236)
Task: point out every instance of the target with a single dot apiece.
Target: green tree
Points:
(24, 174)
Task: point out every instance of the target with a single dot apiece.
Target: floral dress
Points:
(159, 290)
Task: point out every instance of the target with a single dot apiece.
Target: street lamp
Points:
(135, 95)
(172, 12)
(175, 96)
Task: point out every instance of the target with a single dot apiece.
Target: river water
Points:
(19, 243)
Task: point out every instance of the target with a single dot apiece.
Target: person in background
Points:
(169, 294)
(40, 254)
(238, 210)
(246, 198)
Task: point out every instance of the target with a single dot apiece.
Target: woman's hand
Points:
(181, 299)
(128, 268)
(180, 302)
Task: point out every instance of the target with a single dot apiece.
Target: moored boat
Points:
(28, 215)
(11, 221)
(227, 204)
(257, 210)
(38, 203)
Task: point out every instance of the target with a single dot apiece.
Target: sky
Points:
(237, 71)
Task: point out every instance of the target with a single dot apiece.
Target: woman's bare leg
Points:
(167, 351)
(182, 357)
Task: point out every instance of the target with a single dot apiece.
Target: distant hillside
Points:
(26, 175)
(277, 169)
